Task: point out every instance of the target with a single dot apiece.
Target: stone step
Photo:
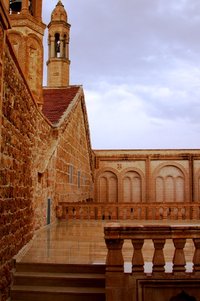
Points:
(45, 293)
(59, 279)
(60, 268)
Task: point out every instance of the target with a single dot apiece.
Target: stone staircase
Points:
(60, 282)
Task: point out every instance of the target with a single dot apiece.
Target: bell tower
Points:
(26, 36)
(58, 61)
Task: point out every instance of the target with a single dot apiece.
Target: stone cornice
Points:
(28, 21)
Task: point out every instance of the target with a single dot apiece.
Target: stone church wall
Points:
(21, 131)
(74, 148)
(35, 160)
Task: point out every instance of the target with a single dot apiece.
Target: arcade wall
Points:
(147, 176)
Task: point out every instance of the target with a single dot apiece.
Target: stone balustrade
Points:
(115, 235)
(127, 211)
(118, 283)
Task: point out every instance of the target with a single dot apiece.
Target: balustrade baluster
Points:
(165, 213)
(143, 213)
(172, 213)
(59, 212)
(99, 213)
(114, 212)
(179, 256)
(196, 258)
(158, 257)
(77, 212)
(180, 217)
(92, 212)
(157, 215)
(187, 212)
(137, 260)
(114, 260)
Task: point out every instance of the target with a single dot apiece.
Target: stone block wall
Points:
(16, 185)
(147, 176)
(74, 171)
(34, 162)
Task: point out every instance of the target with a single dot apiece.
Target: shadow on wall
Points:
(183, 297)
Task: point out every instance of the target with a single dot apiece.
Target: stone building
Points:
(46, 155)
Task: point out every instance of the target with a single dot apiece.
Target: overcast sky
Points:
(139, 64)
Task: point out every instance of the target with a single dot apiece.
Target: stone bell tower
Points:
(26, 36)
(58, 62)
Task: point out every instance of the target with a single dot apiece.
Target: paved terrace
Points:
(82, 242)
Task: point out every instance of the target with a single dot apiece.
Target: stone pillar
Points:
(67, 48)
(38, 10)
(179, 256)
(62, 47)
(147, 184)
(114, 270)
(137, 260)
(158, 257)
(191, 179)
(196, 259)
(52, 47)
(25, 6)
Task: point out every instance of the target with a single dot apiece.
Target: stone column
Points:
(191, 179)
(67, 48)
(179, 256)
(52, 47)
(158, 257)
(38, 11)
(147, 184)
(25, 6)
(62, 48)
(196, 259)
(115, 270)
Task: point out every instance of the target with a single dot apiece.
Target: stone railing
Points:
(127, 211)
(118, 282)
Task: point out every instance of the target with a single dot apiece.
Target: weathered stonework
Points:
(45, 162)
(149, 176)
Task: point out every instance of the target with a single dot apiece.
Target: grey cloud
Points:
(147, 43)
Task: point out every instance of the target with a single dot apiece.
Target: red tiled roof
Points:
(56, 101)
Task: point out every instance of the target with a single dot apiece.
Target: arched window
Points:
(15, 6)
(108, 187)
(132, 187)
(57, 44)
(170, 185)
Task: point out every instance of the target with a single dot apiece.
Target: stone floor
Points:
(82, 241)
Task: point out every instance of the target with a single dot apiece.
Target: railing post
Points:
(99, 213)
(157, 214)
(196, 258)
(59, 212)
(165, 212)
(114, 270)
(158, 257)
(179, 256)
(180, 217)
(143, 213)
(92, 212)
(137, 260)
